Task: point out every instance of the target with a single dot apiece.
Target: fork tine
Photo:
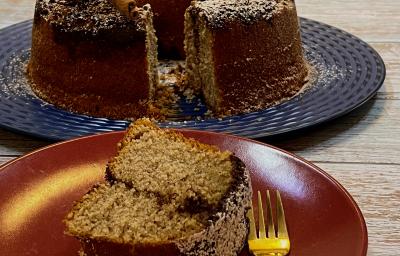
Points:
(252, 232)
(282, 229)
(261, 223)
(270, 218)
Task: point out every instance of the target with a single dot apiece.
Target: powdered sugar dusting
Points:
(218, 13)
(323, 74)
(88, 17)
(13, 79)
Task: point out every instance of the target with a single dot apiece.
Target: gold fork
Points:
(271, 243)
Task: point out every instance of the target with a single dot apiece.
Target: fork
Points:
(270, 242)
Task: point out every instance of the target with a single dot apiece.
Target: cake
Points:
(79, 57)
(165, 195)
(244, 55)
(168, 23)
(99, 57)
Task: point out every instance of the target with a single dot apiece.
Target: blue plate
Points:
(349, 72)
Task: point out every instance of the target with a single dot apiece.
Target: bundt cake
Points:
(88, 57)
(99, 57)
(244, 55)
(165, 195)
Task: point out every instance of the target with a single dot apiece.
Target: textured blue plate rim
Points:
(347, 111)
(260, 134)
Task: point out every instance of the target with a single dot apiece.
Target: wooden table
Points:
(361, 150)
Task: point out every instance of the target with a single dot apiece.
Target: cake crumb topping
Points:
(89, 16)
(220, 12)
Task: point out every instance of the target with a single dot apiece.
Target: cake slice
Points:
(166, 195)
(244, 55)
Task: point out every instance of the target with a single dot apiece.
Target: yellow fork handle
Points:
(264, 247)
(269, 254)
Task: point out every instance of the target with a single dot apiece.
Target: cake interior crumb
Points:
(123, 215)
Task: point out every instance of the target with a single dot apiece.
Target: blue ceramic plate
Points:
(349, 72)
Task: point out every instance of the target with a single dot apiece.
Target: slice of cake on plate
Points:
(166, 195)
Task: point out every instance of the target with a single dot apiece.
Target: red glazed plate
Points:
(38, 189)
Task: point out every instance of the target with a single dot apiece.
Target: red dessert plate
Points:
(38, 189)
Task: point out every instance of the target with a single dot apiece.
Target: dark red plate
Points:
(38, 189)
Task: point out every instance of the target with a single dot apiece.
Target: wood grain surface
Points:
(361, 150)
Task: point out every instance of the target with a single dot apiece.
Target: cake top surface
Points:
(90, 16)
(219, 12)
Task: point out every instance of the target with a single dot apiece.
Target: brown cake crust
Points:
(263, 62)
(82, 66)
(280, 72)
